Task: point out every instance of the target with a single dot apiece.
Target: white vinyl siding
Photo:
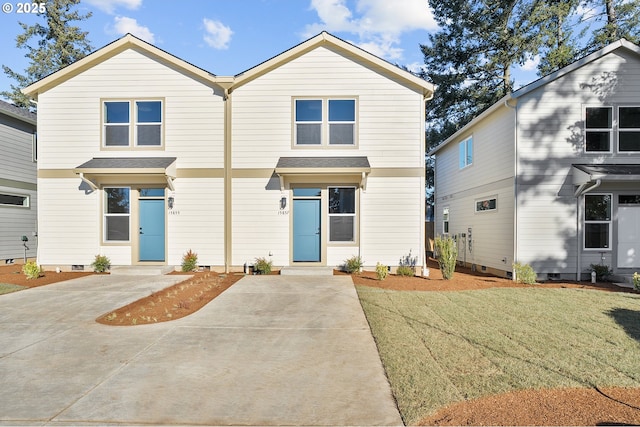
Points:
(389, 129)
(70, 131)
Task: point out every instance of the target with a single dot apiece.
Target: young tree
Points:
(58, 43)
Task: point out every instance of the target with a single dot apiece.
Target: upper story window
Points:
(598, 127)
(321, 122)
(604, 125)
(629, 129)
(465, 152)
(132, 124)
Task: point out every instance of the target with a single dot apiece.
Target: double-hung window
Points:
(629, 129)
(117, 214)
(465, 153)
(321, 122)
(597, 221)
(342, 214)
(445, 221)
(598, 129)
(132, 123)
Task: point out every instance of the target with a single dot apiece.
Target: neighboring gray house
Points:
(18, 197)
(550, 175)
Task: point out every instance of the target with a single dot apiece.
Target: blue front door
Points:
(306, 230)
(151, 230)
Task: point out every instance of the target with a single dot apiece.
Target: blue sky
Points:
(226, 37)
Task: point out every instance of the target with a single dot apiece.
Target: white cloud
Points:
(123, 25)
(109, 6)
(217, 35)
(379, 24)
(531, 64)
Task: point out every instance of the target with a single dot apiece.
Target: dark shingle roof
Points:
(17, 112)
(128, 163)
(610, 169)
(323, 162)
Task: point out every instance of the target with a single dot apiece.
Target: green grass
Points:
(443, 347)
(6, 288)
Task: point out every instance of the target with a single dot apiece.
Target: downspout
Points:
(579, 194)
(228, 187)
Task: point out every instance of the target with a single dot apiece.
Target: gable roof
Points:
(228, 82)
(504, 102)
(18, 113)
(326, 39)
(128, 41)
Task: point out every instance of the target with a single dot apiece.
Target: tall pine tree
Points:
(58, 43)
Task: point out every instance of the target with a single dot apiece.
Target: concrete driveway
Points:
(271, 350)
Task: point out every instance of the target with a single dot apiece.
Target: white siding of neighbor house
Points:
(550, 139)
(490, 175)
(390, 132)
(70, 134)
(16, 164)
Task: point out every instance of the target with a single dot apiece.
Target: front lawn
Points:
(444, 347)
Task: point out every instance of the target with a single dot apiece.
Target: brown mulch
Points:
(12, 273)
(608, 406)
(174, 302)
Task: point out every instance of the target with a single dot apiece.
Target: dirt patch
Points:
(174, 302)
(610, 406)
(12, 273)
(564, 407)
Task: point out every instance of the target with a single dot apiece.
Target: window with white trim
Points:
(597, 221)
(14, 200)
(342, 214)
(117, 214)
(598, 129)
(325, 121)
(132, 123)
(465, 152)
(484, 205)
(629, 129)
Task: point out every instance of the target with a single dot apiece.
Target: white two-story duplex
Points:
(550, 175)
(309, 158)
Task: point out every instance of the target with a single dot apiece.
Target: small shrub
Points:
(602, 271)
(636, 281)
(405, 270)
(262, 266)
(353, 264)
(408, 260)
(101, 264)
(32, 270)
(382, 271)
(447, 254)
(189, 261)
(524, 274)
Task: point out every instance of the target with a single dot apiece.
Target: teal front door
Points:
(151, 230)
(306, 230)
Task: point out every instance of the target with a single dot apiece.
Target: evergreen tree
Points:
(622, 21)
(58, 43)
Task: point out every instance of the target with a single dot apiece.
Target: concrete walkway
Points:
(271, 350)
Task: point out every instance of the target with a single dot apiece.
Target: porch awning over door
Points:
(355, 169)
(583, 174)
(141, 170)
